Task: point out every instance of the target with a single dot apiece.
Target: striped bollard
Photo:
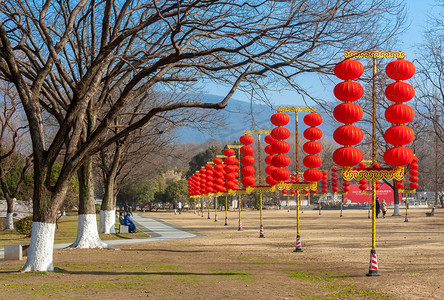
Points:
(320, 213)
(240, 226)
(406, 218)
(373, 269)
(226, 221)
(369, 215)
(341, 215)
(261, 232)
(298, 244)
(209, 216)
(202, 214)
(215, 218)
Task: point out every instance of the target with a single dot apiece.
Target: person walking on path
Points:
(383, 208)
(378, 207)
(179, 207)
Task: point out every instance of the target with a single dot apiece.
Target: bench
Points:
(16, 251)
(430, 214)
(123, 228)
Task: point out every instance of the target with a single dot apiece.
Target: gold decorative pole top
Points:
(374, 54)
(257, 131)
(234, 146)
(295, 109)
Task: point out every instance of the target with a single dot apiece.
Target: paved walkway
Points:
(157, 229)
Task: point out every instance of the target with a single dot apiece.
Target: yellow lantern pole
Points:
(215, 208)
(239, 201)
(226, 210)
(201, 206)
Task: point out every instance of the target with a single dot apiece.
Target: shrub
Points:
(24, 226)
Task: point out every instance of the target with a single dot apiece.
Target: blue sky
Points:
(417, 11)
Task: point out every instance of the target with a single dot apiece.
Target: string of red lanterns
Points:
(334, 179)
(280, 161)
(399, 113)
(268, 160)
(348, 112)
(247, 160)
(219, 175)
(324, 184)
(231, 168)
(312, 161)
(414, 174)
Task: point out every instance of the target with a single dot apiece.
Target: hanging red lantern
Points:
(269, 150)
(280, 133)
(347, 156)
(248, 181)
(413, 172)
(398, 156)
(269, 159)
(269, 139)
(399, 185)
(399, 113)
(312, 175)
(247, 150)
(312, 133)
(280, 147)
(312, 147)
(399, 135)
(313, 119)
(217, 161)
(348, 112)
(248, 170)
(400, 69)
(362, 165)
(229, 152)
(363, 187)
(413, 185)
(247, 160)
(349, 69)
(284, 192)
(281, 161)
(413, 179)
(280, 174)
(348, 135)
(269, 170)
(270, 181)
(280, 119)
(348, 91)
(246, 139)
(413, 166)
(399, 91)
(312, 161)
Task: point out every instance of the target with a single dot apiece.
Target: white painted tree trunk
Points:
(40, 256)
(9, 221)
(396, 210)
(87, 235)
(107, 221)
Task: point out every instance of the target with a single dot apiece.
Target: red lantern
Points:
(269, 170)
(413, 185)
(312, 175)
(229, 152)
(280, 133)
(248, 170)
(248, 181)
(270, 181)
(363, 187)
(312, 147)
(246, 139)
(348, 112)
(413, 172)
(399, 113)
(413, 179)
(247, 160)
(280, 119)
(334, 189)
(399, 91)
(348, 135)
(398, 156)
(349, 69)
(313, 119)
(415, 159)
(413, 166)
(347, 156)
(348, 91)
(399, 185)
(284, 191)
(269, 139)
(217, 161)
(280, 147)
(312, 161)
(313, 133)
(269, 159)
(269, 150)
(280, 174)
(399, 135)
(281, 161)
(400, 69)
(247, 150)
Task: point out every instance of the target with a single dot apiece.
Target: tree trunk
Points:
(108, 207)
(41, 248)
(9, 213)
(87, 234)
(396, 211)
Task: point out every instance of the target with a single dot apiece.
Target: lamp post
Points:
(259, 132)
(298, 186)
(373, 173)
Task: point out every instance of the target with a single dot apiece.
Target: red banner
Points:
(355, 196)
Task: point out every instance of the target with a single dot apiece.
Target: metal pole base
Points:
(261, 232)
(226, 222)
(194, 211)
(341, 215)
(369, 215)
(298, 244)
(320, 213)
(240, 226)
(406, 218)
(373, 269)
(209, 216)
(215, 218)
(202, 214)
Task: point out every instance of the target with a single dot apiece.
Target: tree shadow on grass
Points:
(147, 273)
(166, 250)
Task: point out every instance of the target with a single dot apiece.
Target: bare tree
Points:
(66, 58)
(11, 160)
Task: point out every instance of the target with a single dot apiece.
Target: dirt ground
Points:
(225, 263)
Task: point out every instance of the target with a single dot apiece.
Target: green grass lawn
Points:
(65, 233)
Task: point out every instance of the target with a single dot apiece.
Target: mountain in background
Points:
(239, 116)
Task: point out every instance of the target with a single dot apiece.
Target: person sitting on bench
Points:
(121, 218)
(128, 222)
